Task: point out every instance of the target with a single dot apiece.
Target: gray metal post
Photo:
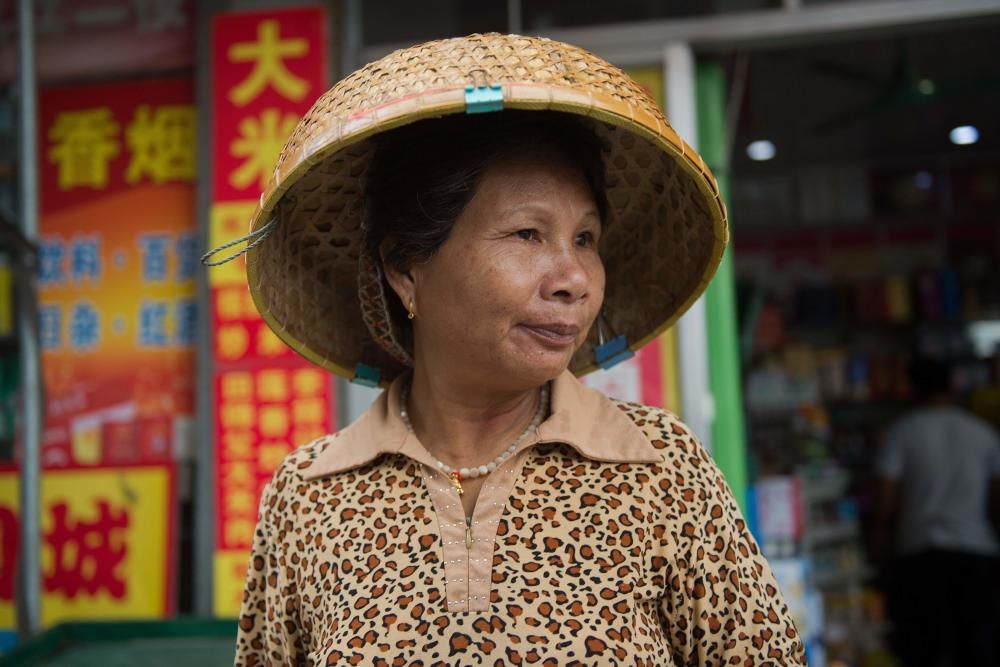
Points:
(204, 458)
(29, 577)
(351, 37)
(514, 17)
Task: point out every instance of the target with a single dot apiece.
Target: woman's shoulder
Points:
(688, 469)
(300, 459)
(664, 429)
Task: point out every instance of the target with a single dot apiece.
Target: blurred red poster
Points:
(267, 69)
(117, 262)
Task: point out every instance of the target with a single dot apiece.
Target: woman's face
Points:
(513, 292)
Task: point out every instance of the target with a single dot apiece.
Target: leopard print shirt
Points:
(609, 538)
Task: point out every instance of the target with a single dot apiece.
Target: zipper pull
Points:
(468, 537)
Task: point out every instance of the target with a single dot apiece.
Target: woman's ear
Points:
(401, 282)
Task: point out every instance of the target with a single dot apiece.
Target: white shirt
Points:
(944, 459)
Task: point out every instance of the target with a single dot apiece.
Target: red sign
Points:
(268, 68)
(241, 338)
(262, 412)
(117, 261)
(99, 140)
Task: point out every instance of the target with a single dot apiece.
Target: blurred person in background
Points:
(938, 521)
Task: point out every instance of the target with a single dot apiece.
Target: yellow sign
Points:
(230, 570)
(106, 551)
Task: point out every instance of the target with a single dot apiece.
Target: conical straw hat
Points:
(663, 240)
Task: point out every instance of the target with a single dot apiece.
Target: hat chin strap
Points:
(253, 239)
(375, 308)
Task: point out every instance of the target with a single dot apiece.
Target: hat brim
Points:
(665, 236)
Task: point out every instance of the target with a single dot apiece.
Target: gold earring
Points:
(410, 315)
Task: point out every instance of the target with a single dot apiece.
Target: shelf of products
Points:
(826, 349)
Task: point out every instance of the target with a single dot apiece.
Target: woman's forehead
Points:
(522, 178)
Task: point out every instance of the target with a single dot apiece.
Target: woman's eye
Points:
(526, 234)
(586, 239)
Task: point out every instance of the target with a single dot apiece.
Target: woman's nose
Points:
(569, 278)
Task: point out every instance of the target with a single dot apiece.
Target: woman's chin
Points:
(540, 368)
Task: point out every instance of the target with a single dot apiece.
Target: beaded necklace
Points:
(458, 474)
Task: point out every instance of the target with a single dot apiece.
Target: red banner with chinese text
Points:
(268, 68)
(107, 536)
(117, 262)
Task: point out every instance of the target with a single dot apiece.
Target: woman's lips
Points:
(556, 334)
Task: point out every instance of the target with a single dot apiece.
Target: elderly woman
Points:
(472, 223)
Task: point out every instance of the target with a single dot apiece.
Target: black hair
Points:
(424, 174)
(929, 378)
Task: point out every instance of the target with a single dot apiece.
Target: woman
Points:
(470, 222)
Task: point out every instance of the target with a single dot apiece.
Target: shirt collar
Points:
(582, 418)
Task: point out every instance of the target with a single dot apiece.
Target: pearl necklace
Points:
(457, 475)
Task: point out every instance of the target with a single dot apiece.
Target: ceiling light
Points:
(963, 135)
(761, 150)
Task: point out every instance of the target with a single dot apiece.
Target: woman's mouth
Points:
(555, 334)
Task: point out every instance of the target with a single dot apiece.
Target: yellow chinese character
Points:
(232, 341)
(260, 142)
(274, 421)
(270, 455)
(308, 410)
(239, 502)
(229, 303)
(162, 143)
(307, 433)
(238, 533)
(236, 415)
(268, 343)
(267, 55)
(272, 386)
(237, 446)
(236, 475)
(237, 386)
(308, 382)
(85, 141)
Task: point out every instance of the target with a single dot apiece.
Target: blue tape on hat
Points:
(481, 99)
(612, 352)
(366, 375)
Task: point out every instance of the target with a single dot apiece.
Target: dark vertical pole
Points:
(29, 575)
(204, 460)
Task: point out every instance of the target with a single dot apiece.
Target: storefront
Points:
(866, 239)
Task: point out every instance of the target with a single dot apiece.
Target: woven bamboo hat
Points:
(664, 236)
